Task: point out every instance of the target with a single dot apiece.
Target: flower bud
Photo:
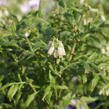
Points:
(103, 18)
(93, 10)
(103, 50)
(27, 33)
(6, 12)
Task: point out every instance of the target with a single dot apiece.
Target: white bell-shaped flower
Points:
(51, 48)
(61, 50)
(55, 54)
(56, 48)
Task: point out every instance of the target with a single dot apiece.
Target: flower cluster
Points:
(56, 48)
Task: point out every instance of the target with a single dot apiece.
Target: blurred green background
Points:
(47, 5)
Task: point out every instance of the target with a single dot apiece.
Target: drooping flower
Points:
(55, 54)
(51, 48)
(61, 50)
(56, 48)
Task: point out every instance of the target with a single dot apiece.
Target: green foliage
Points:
(32, 79)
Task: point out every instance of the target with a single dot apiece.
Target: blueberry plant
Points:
(48, 62)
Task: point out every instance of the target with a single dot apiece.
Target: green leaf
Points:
(89, 99)
(18, 96)
(78, 105)
(84, 104)
(1, 107)
(29, 100)
(12, 91)
(52, 79)
(5, 86)
(66, 100)
(94, 82)
(1, 77)
(61, 87)
(46, 93)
